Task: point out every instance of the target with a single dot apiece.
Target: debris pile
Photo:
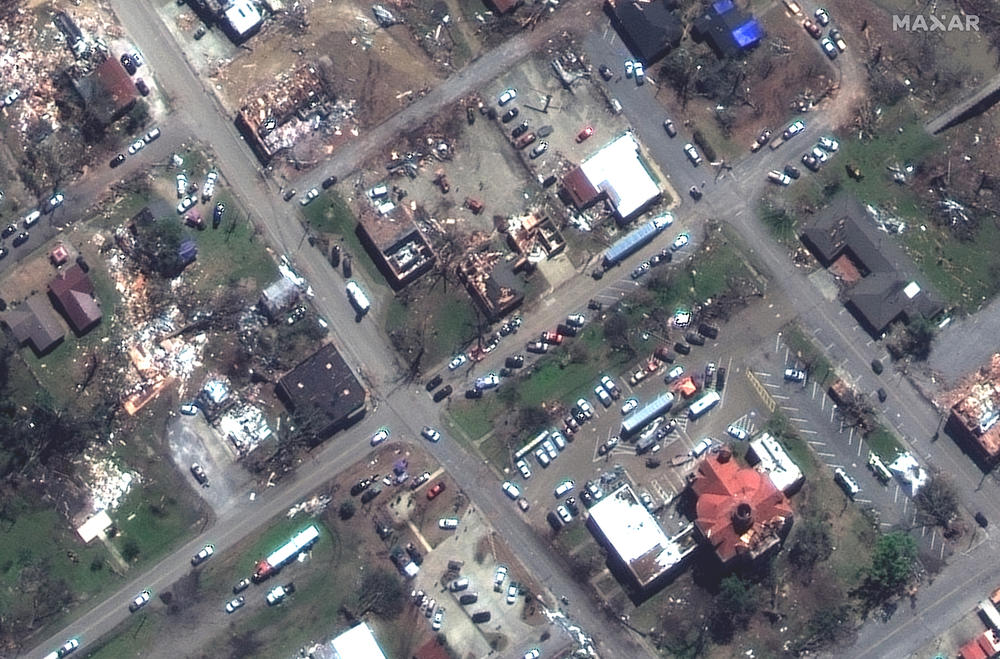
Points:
(109, 483)
(317, 504)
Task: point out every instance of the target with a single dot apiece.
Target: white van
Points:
(559, 440)
(358, 297)
(459, 584)
(31, 218)
(848, 484)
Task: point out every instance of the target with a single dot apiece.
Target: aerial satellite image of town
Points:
(499, 329)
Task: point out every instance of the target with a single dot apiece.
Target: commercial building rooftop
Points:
(395, 243)
(358, 642)
(648, 28)
(241, 18)
(635, 538)
(769, 457)
(324, 389)
(617, 172)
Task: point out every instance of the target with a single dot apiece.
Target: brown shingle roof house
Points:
(108, 91)
(72, 293)
(33, 322)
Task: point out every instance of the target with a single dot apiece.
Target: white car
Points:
(56, 200)
(380, 436)
(550, 448)
(234, 604)
(576, 320)
(457, 361)
(610, 386)
(11, 97)
(511, 490)
(609, 444)
(639, 72)
(68, 647)
(827, 45)
(182, 185)
(309, 196)
(186, 203)
(542, 457)
(585, 407)
(829, 144)
(506, 96)
(208, 189)
(779, 177)
(602, 396)
(819, 154)
(682, 318)
(822, 17)
(32, 217)
(848, 484)
(136, 147)
(533, 653)
(499, 577)
(448, 523)
(512, 593)
(630, 405)
(680, 241)
(794, 128)
(674, 373)
(141, 600)
(692, 154)
(523, 467)
(701, 447)
(564, 514)
(737, 433)
(430, 434)
(206, 553)
(488, 381)
(152, 135)
(438, 619)
(563, 488)
(629, 68)
(795, 375)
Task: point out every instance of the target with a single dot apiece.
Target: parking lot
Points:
(813, 413)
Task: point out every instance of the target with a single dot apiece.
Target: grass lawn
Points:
(330, 213)
(232, 252)
(805, 349)
(443, 315)
(884, 443)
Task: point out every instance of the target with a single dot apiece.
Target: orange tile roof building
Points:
(739, 511)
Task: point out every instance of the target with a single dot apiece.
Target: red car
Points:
(436, 490)
(814, 30)
(552, 337)
(585, 133)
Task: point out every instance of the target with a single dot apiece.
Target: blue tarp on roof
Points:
(722, 6)
(748, 34)
(187, 252)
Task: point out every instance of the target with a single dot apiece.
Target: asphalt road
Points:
(405, 407)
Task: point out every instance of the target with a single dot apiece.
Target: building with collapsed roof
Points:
(264, 121)
(72, 293)
(974, 418)
(636, 543)
(649, 28)
(727, 29)
(107, 92)
(504, 6)
(323, 390)
(395, 243)
(34, 323)
(616, 173)
(879, 280)
(278, 297)
(739, 512)
(492, 283)
(533, 236)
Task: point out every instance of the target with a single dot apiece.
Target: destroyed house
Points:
(649, 28)
(107, 92)
(533, 236)
(72, 294)
(492, 283)
(740, 513)
(974, 419)
(208, 10)
(727, 29)
(323, 391)
(266, 121)
(504, 6)
(394, 242)
(34, 323)
(879, 280)
(279, 297)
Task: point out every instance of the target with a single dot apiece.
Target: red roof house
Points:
(984, 646)
(108, 91)
(72, 294)
(59, 255)
(740, 512)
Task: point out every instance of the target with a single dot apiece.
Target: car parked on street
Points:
(140, 600)
(692, 154)
(669, 127)
(380, 436)
(206, 553)
(234, 604)
(430, 434)
(442, 393)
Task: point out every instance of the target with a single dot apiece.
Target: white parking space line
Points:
(815, 388)
(826, 455)
(906, 504)
(798, 419)
(771, 386)
(817, 330)
(850, 437)
(815, 442)
(862, 501)
(761, 374)
(777, 342)
(808, 432)
(859, 448)
(789, 408)
(780, 396)
(831, 413)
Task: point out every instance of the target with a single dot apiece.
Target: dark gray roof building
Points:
(34, 322)
(648, 28)
(887, 287)
(324, 389)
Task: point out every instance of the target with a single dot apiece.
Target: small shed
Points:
(59, 255)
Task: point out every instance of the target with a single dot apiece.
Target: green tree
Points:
(938, 501)
(531, 417)
(892, 564)
(616, 329)
(158, 247)
(130, 551)
(380, 593)
(812, 544)
(346, 510)
(735, 604)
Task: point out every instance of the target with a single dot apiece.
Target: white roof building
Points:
(769, 457)
(908, 470)
(618, 171)
(634, 536)
(357, 643)
(243, 17)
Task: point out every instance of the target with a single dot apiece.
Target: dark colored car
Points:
(117, 160)
(470, 115)
(442, 393)
(509, 115)
(695, 192)
(520, 130)
(141, 85)
(882, 395)
(514, 361)
(9, 231)
(199, 474)
(436, 490)
(481, 616)
(220, 208)
(473, 393)
(566, 330)
(708, 331)
(981, 520)
(360, 486)
(329, 182)
(3, 252)
(433, 383)
(127, 62)
(792, 171)
(21, 238)
(468, 598)
(289, 193)
(241, 586)
(554, 521)
(720, 378)
(605, 72)
(595, 305)
(694, 339)
(811, 162)
(682, 348)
